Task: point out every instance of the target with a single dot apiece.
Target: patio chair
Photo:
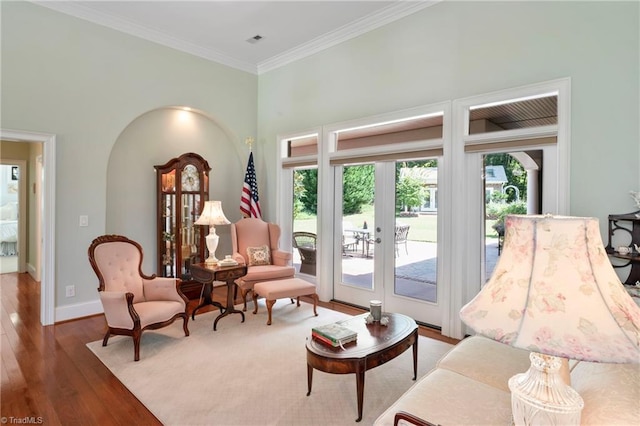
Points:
(499, 228)
(350, 239)
(305, 242)
(401, 233)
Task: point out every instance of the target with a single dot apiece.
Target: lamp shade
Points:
(555, 292)
(212, 214)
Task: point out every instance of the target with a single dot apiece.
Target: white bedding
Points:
(8, 231)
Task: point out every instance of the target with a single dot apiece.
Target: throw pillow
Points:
(259, 255)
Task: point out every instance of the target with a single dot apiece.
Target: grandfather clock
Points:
(182, 187)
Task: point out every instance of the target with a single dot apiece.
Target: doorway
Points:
(45, 214)
(387, 237)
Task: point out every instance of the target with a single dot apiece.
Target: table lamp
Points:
(212, 215)
(555, 294)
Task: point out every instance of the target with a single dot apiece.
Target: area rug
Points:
(253, 374)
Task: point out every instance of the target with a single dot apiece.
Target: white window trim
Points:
(468, 169)
(284, 213)
(326, 179)
(458, 186)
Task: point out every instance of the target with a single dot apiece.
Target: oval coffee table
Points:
(376, 345)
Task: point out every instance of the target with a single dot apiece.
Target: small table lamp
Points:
(555, 293)
(212, 215)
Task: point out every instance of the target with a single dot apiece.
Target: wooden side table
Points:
(207, 275)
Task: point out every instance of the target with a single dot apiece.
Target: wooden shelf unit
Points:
(182, 189)
(627, 227)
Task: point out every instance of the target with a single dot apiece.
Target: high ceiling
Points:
(257, 36)
(224, 31)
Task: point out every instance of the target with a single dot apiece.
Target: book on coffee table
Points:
(334, 334)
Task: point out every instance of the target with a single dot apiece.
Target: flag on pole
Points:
(249, 200)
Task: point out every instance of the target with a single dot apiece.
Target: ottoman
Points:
(279, 289)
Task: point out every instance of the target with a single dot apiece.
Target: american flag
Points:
(249, 200)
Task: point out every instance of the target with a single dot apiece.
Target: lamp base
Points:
(211, 261)
(212, 244)
(541, 397)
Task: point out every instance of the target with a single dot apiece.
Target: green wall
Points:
(458, 49)
(86, 84)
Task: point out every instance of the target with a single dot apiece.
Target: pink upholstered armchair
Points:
(247, 237)
(133, 302)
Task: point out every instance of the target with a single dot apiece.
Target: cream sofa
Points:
(469, 387)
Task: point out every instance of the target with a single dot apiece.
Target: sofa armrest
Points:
(410, 418)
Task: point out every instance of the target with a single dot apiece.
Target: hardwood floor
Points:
(49, 375)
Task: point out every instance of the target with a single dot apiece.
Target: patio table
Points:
(361, 234)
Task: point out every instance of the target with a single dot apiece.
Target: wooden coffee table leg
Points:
(309, 378)
(360, 390)
(415, 358)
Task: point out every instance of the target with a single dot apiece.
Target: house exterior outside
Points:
(495, 181)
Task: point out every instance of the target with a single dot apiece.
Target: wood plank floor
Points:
(51, 377)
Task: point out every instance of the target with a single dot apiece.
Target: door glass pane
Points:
(416, 229)
(357, 224)
(305, 203)
(512, 185)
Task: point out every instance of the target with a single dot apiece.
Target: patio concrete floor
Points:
(416, 270)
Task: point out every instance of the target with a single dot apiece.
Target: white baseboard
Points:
(79, 310)
(31, 270)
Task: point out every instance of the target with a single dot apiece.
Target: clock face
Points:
(190, 178)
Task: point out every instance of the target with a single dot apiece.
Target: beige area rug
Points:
(253, 374)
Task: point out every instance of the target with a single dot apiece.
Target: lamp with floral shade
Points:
(555, 293)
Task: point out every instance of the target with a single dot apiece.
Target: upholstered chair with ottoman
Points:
(256, 244)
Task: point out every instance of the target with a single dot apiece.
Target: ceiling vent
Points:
(256, 38)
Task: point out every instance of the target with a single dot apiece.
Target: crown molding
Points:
(354, 29)
(370, 22)
(77, 10)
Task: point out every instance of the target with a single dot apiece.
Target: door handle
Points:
(378, 240)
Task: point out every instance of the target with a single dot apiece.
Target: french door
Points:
(454, 253)
(386, 227)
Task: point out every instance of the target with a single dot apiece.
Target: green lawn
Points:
(422, 228)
